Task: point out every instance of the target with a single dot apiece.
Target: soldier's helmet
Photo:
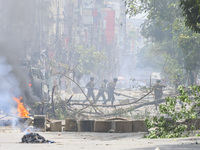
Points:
(115, 79)
(91, 78)
(158, 81)
(105, 80)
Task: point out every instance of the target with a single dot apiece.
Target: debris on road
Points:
(34, 138)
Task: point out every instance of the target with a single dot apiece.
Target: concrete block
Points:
(40, 123)
(194, 122)
(71, 125)
(56, 126)
(121, 126)
(139, 126)
(86, 126)
(22, 120)
(102, 126)
(26, 124)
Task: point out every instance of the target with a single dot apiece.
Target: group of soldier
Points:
(110, 87)
(104, 88)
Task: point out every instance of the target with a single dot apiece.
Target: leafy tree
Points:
(175, 120)
(164, 25)
(89, 61)
(191, 12)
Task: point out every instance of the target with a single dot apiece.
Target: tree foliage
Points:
(191, 12)
(88, 60)
(164, 25)
(178, 115)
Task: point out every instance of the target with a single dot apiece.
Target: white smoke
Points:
(9, 86)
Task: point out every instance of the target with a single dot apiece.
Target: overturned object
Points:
(34, 138)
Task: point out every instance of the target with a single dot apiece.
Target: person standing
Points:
(101, 91)
(90, 87)
(111, 89)
(177, 83)
(158, 91)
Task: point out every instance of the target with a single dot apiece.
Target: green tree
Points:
(164, 25)
(179, 120)
(191, 12)
(89, 61)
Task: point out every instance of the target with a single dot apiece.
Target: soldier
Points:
(177, 83)
(158, 92)
(101, 91)
(90, 87)
(111, 88)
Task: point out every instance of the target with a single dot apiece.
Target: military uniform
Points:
(111, 89)
(101, 91)
(177, 83)
(90, 88)
(158, 92)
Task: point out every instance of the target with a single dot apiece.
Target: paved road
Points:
(11, 138)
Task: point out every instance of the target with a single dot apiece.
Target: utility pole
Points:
(57, 23)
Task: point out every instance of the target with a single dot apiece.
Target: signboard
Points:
(87, 3)
(109, 25)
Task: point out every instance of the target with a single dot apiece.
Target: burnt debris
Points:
(34, 138)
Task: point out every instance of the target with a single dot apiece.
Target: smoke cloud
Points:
(14, 29)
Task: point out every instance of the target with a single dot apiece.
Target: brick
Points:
(139, 126)
(40, 122)
(86, 126)
(122, 126)
(56, 126)
(71, 125)
(102, 126)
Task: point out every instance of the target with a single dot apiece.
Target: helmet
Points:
(91, 78)
(115, 79)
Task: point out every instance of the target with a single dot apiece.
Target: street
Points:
(11, 138)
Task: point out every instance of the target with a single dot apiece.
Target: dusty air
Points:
(102, 74)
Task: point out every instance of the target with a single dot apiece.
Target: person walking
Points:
(158, 91)
(110, 91)
(90, 87)
(177, 83)
(101, 91)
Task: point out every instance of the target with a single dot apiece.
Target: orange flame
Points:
(20, 108)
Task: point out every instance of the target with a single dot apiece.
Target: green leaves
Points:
(89, 60)
(191, 12)
(165, 26)
(173, 126)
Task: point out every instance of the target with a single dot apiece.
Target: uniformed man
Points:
(90, 87)
(110, 91)
(101, 91)
(158, 91)
(177, 83)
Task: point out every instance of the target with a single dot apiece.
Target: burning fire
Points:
(20, 108)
